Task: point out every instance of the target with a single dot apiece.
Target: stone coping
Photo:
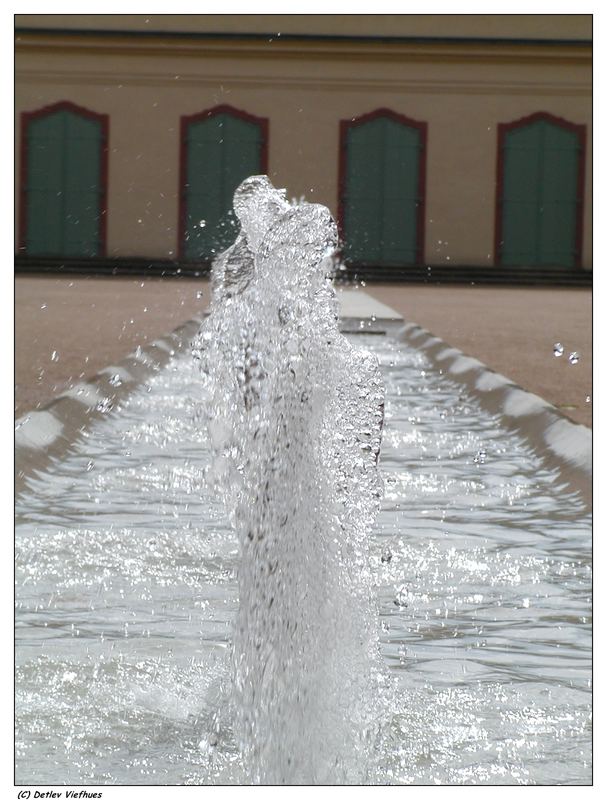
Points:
(46, 435)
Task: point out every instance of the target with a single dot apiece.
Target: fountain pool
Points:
(126, 592)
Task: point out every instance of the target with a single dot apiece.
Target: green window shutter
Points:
(539, 203)
(44, 186)
(64, 188)
(221, 151)
(558, 208)
(381, 196)
(82, 186)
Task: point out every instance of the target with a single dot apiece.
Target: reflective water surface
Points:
(126, 591)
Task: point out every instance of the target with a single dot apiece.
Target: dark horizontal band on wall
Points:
(152, 268)
(135, 266)
(304, 37)
(504, 276)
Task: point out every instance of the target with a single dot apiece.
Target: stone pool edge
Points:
(48, 433)
(559, 441)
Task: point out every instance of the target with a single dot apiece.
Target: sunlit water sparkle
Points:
(126, 593)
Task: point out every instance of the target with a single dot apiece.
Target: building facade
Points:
(434, 139)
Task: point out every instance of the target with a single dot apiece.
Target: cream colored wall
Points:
(305, 91)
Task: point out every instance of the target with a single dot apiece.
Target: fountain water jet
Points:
(294, 415)
(126, 590)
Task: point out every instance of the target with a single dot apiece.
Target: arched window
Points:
(382, 189)
(220, 147)
(63, 181)
(540, 189)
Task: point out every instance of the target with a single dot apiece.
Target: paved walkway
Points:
(69, 328)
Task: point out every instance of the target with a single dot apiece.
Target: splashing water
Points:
(294, 415)
(126, 576)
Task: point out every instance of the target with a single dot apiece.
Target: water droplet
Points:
(105, 405)
(480, 457)
(115, 380)
(558, 349)
(386, 557)
(199, 294)
(588, 398)
(90, 465)
(43, 306)
(402, 597)
(54, 356)
(574, 358)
